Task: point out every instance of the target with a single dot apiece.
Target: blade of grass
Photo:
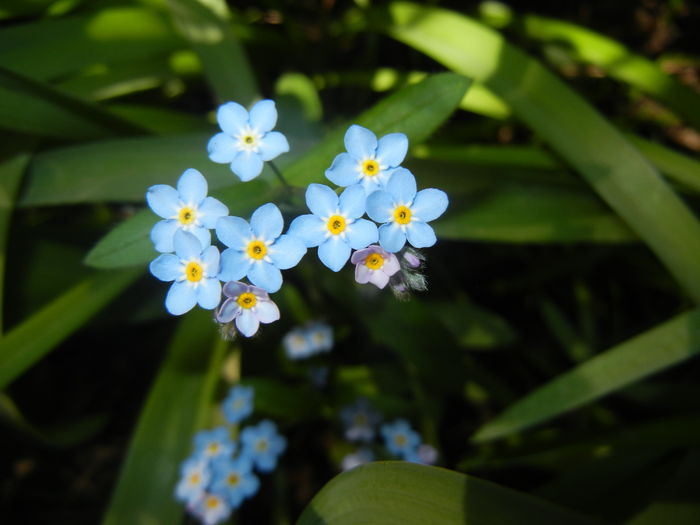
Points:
(598, 152)
(27, 343)
(177, 406)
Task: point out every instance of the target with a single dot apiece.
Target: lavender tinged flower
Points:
(248, 306)
(194, 477)
(360, 457)
(360, 420)
(374, 265)
(211, 509)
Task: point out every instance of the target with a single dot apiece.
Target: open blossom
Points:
(194, 477)
(263, 445)
(235, 480)
(374, 265)
(247, 139)
(248, 306)
(238, 404)
(405, 212)
(400, 439)
(368, 161)
(186, 208)
(214, 443)
(360, 420)
(211, 509)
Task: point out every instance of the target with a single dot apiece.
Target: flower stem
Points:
(279, 175)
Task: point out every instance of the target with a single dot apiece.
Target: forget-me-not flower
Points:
(194, 477)
(248, 306)
(263, 445)
(258, 250)
(194, 270)
(368, 161)
(360, 457)
(234, 479)
(186, 208)
(214, 443)
(211, 508)
(400, 439)
(374, 265)
(360, 420)
(335, 225)
(247, 139)
(238, 405)
(405, 213)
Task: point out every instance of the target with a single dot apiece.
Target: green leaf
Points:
(27, 343)
(178, 405)
(405, 493)
(618, 62)
(416, 111)
(651, 352)
(282, 402)
(204, 24)
(572, 128)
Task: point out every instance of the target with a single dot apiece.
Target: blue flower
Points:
(262, 444)
(212, 444)
(368, 162)
(405, 212)
(400, 439)
(258, 250)
(238, 405)
(321, 336)
(335, 226)
(186, 208)
(234, 479)
(247, 140)
(360, 457)
(360, 420)
(194, 271)
(211, 509)
(248, 306)
(194, 477)
(297, 344)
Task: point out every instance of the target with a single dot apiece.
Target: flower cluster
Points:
(308, 340)
(360, 421)
(220, 473)
(375, 184)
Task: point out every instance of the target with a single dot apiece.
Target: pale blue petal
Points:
(263, 115)
(267, 222)
(222, 148)
(203, 235)
(234, 265)
(360, 142)
(429, 204)
(267, 312)
(187, 246)
(181, 298)
(402, 186)
(164, 200)
(309, 229)
(380, 206)
(287, 251)
(166, 267)
(192, 187)
(391, 149)
(266, 276)
(209, 293)
(334, 253)
(247, 165)
(361, 234)
(234, 232)
(343, 170)
(163, 234)
(211, 259)
(228, 311)
(321, 200)
(247, 323)
(232, 117)
(234, 289)
(420, 235)
(391, 237)
(352, 201)
(210, 211)
(272, 145)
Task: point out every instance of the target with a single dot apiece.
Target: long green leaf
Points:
(600, 153)
(226, 67)
(405, 493)
(176, 408)
(651, 352)
(27, 343)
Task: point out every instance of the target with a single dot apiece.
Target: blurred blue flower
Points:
(234, 479)
(424, 454)
(186, 208)
(297, 344)
(321, 336)
(258, 250)
(360, 420)
(194, 270)
(263, 445)
(247, 139)
(405, 213)
(211, 508)
(368, 161)
(360, 457)
(248, 306)
(213, 444)
(334, 225)
(238, 405)
(400, 439)
(194, 478)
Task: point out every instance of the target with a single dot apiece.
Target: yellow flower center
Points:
(186, 216)
(336, 224)
(374, 261)
(261, 445)
(370, 167)
(233, 479)
(400, 440)
(256, 250)
(194, 272)
(402, 215)
(212, 502)
(248, 139)
(247, 300)
(195, 478)
(213, 448)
